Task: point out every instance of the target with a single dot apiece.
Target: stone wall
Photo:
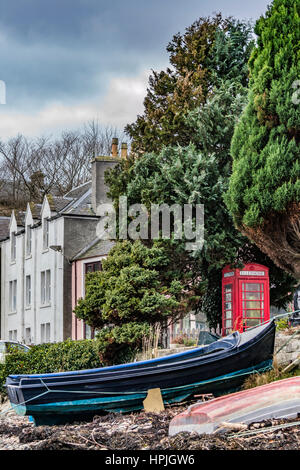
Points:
(291, 351)
(167, 352)
(287, 355)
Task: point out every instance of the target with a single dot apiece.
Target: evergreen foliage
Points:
(211, 50)
(264, 192)
(47, 358)
(135, 289)
(199, 174)
(183, 146)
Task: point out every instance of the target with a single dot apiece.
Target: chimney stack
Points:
(114, 147)
(124, 150)
(99, 166)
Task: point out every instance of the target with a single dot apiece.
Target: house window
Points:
(45, 234)
(93, 267)
(28, 240)
(45, 287)
(28, 336)
(45, 332)
(13, 334)
(13, 246)
(88, 332)
(13, 296)
(28, 291)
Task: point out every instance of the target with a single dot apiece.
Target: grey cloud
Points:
(69, 50)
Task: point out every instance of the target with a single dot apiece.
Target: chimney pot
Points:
(124, 150)
(114, 147)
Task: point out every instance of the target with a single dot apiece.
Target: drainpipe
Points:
(54, 289)
(23, 289)
(1, 304)
(2, 293)
(34, 286)
(75, 299)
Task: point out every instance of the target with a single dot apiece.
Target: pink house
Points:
(88, 260)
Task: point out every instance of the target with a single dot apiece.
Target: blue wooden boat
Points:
(217, 368)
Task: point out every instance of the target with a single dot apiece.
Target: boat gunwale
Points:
(149, 371)
(131, 396)
(136, 365)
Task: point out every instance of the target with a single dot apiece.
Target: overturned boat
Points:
(279, 399)
(217, 368)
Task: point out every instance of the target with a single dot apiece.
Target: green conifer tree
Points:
(210, 51)
(264, 192)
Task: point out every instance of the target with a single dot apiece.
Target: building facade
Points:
(38, 256)
(86, 261)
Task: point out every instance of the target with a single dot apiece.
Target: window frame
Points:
(13, 335)
(13, 296)
(46, 287)
(28, 290)
(46, 233)
(93, 264)
(45, 332)
(13, 247)
(256, 288)
(28, 240)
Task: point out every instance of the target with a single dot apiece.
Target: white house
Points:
(36, 268)
(44, 259)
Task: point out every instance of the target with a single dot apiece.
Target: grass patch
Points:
(272, 375)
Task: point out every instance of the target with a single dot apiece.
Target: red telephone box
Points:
(245, 297)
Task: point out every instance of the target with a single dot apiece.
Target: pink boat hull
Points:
(276, 400)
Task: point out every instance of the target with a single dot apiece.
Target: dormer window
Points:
(13, 246)
(45, 234)
(28, 240)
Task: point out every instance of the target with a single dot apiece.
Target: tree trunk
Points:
(279, 238)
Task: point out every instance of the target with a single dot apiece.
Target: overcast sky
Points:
(65, 62)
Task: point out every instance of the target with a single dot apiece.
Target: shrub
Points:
(282, 324)
(184, 340)
(54, 357)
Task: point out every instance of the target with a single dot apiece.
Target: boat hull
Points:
(53, 413)
(279, 399)
(72, 395)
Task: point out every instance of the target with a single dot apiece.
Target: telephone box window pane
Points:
(228, 305)
(253, 295)
(253, 287)
(228, 314)
(253, 313)
(228, 323)
(228, 296)
(253, 304)
(253, 322)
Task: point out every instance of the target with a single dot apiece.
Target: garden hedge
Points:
(54, 357)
